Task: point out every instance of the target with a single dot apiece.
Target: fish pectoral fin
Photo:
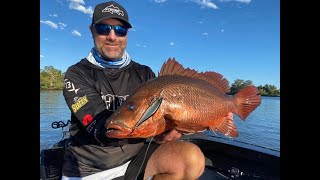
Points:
(193, 132)
(187, 129)
(226, 127)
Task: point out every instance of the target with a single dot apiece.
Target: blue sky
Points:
(239, 39)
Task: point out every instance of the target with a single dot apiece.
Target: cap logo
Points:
(113, 9)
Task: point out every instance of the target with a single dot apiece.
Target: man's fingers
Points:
(167, 136)
(230, 116)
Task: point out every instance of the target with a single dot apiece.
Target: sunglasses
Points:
(104, 29)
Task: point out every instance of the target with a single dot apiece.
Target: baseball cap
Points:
(108, 10)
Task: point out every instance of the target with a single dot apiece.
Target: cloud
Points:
(209, 4)
(222, 30)
(76, 33)
(62, 25)
(53, 15)
(205, 34)
(41, 56)
(78, 1)
(138, 45)
(160, 1)
(241, 1)
(51, 24)
(78, 5)
(171, 43)
(54, 25)
(206, 4)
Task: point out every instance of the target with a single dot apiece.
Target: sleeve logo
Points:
(70, 86)
(80, 102)
(87, 119)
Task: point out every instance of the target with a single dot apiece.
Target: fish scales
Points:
(183, 99)
(183, 93)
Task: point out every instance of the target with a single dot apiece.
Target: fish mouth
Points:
(117, 131)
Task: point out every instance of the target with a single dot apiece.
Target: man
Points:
(94, 88)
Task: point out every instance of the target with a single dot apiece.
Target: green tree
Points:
(238, 85)
(269, 90)
(266, 90)
(51, 78)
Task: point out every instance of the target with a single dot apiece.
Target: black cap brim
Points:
(125, 23)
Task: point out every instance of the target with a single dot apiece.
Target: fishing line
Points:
(145, 155)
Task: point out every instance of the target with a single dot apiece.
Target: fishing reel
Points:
(236, 173)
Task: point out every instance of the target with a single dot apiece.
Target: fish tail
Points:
(247, 100)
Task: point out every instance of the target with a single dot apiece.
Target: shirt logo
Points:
(87, 119)
(112, 102)
(70, 86)
(80, 102)
(113, 9)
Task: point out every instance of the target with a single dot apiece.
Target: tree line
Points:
(52, 79)
(266, 90)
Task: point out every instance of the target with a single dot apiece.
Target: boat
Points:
(230, 159)
(224, 159)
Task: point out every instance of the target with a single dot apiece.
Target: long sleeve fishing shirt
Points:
(92, 94)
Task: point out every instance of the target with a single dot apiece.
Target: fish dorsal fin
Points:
(172, 67)
(217, 80)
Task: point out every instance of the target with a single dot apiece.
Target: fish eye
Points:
(131, 107)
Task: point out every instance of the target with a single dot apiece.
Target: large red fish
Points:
(182, 99)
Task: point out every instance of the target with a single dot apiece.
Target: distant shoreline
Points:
(61, 90)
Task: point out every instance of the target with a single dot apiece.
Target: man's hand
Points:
(229, 116)
(169, 135)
